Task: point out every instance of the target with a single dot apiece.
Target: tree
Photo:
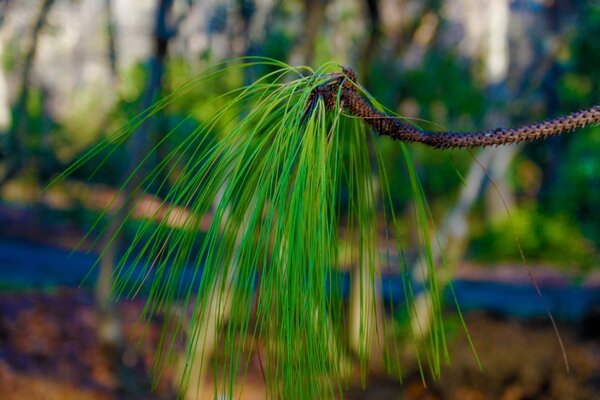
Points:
(17, 150)
(285, 165)
(109, 327)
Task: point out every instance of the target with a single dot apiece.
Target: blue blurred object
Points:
(29, 265)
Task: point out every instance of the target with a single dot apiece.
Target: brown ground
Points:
(520, 361)
(49, 350)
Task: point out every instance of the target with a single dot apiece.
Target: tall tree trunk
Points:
(5, 119)
(451, 240)
(550, 91)
(371, 45)
(366, 330)
(110, 329)
(191, 371)
(314, 15)
(499, 196)
(452, 237)
(190, 375)
(111, 41)
(16, 142)
(4, 10)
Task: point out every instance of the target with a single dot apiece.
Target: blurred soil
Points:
(519, 360)
(49, 350)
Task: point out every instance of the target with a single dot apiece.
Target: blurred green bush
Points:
(554, 240)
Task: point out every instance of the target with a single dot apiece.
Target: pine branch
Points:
(344, 85)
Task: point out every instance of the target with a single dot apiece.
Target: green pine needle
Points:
(271, 174)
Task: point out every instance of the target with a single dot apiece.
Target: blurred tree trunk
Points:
(494, 162)
(240, 34)
(189, 379)
(110, 329)
(109, 326)
(16, 143)
(370, 46)
(138, 148)
(4, 9)
(112, 60)
(314, 16)
(5, 119)
(366, 333)
(550, 90)
(452, 237)
(499, 196)
(365, 320)
(111, 42)
(451, 240)
(366, 328)
(541, 39)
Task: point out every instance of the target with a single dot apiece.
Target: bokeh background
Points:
(72, 72)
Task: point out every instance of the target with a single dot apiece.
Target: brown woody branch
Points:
(344, 85)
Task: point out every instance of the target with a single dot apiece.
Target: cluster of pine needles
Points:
(286, 182)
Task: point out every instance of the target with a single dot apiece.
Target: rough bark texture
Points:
(396, 128)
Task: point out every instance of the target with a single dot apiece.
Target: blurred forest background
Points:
(72, 72)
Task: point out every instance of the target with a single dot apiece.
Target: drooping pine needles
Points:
(285, 178)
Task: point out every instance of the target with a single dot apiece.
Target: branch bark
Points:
(345, 85)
